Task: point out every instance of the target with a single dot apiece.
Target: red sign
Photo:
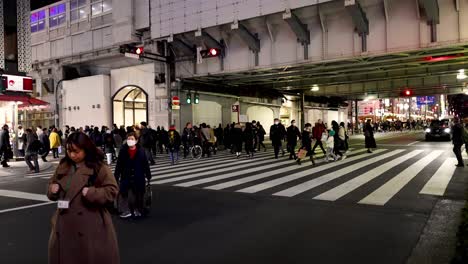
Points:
(175, 100)
(17, 83)
(235, 108)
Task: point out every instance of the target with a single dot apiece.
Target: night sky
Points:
(35, 4)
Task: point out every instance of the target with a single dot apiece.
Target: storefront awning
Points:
(24, 100)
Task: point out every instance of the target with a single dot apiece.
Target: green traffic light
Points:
(189, 98)
(196, 99)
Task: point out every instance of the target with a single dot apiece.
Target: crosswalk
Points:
(334, 180)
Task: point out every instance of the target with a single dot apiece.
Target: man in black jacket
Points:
(457, 139)
(5, 147)
(146, 141)
(44, 138)
(276, 136)
(292, 134)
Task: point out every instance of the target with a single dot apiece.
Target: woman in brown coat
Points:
(82, 229)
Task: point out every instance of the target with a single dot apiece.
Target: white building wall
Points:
(87, 93)
(262, 114)
(141, 76)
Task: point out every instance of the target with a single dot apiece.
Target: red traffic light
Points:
(406, 92)
(211, 52)
(139, 50)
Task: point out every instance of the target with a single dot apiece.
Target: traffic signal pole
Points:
(168, 83)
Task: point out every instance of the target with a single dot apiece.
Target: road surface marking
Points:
(24, 195)
(24, 207)
(308, 185)
(438, 183)
(383, 194)
(301, 174)
(206, 170)
(267, 174)
(351, 185)
(237, 173)
(412, 143)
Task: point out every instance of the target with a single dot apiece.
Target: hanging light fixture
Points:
(461, 74)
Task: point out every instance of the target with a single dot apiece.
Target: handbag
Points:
(147, 198)
(324, 136)
(302, 153)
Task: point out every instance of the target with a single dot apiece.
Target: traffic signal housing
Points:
(210, 53)
(132, 50)
(188, 100)
(406, 93)
(196, 98)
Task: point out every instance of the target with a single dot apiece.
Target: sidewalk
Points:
(21, 168)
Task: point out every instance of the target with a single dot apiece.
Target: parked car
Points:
(438, 129)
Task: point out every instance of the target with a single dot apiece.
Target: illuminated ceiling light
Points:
(314, 88)
(461, 74)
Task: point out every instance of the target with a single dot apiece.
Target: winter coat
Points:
(5, 140)
(261, 133)
(20, 139)
(45, 143)
(292, 134)
(248, 136)
(306, 140)
(318, 130)
(369, 136)
(54, 139)
(174, 140)
(96, 137)
(132, 172)
(31, 143)
(187, 136)
(84, 233)
(276, 134)
(109, 143)
(457, 134)
(146, 138)
(236, 138)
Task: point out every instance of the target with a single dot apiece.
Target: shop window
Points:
(37, 21)
(57, 15)
(78, 10)
(100, 6)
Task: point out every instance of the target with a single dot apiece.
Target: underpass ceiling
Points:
(426, 72)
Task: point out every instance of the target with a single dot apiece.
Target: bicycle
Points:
(194, 150)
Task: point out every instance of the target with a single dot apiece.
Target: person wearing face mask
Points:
(307, 143)
(292, 134)
(82, 229)
(131, 170)
(276, 136)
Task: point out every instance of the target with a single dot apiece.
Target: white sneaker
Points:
(137, 213)
(343, 157)
(125, 215)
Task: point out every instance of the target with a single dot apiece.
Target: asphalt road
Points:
(368, 208)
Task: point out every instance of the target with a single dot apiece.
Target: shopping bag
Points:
(302, 153)
(148, 198)
(324, 136)
(60, 149)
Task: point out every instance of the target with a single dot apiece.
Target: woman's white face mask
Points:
(131, 142)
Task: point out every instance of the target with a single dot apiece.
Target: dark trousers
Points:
(131, 200)
(32, 157)
(206, 149)
(249, 147)
(55, 153)
(44, 155)
(457, 151)
(186, 149)
(149, 155)
(319, 143)
(292, 150)
(276, 147)
(260, 144)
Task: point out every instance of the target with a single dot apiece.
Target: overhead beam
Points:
(431, 8)
(182, 45)
(299, 28)
(358, 15)
(250, 39)
(209, 40)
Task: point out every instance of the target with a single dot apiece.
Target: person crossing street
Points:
(276, 136)
(457, 140)
(292, 134)
(317, 134)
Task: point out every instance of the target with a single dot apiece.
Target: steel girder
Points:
(300, 29)
(431, 8)
(359, 16)
(249, 38)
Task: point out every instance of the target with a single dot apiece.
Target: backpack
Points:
(171, 137)
(465, 134)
